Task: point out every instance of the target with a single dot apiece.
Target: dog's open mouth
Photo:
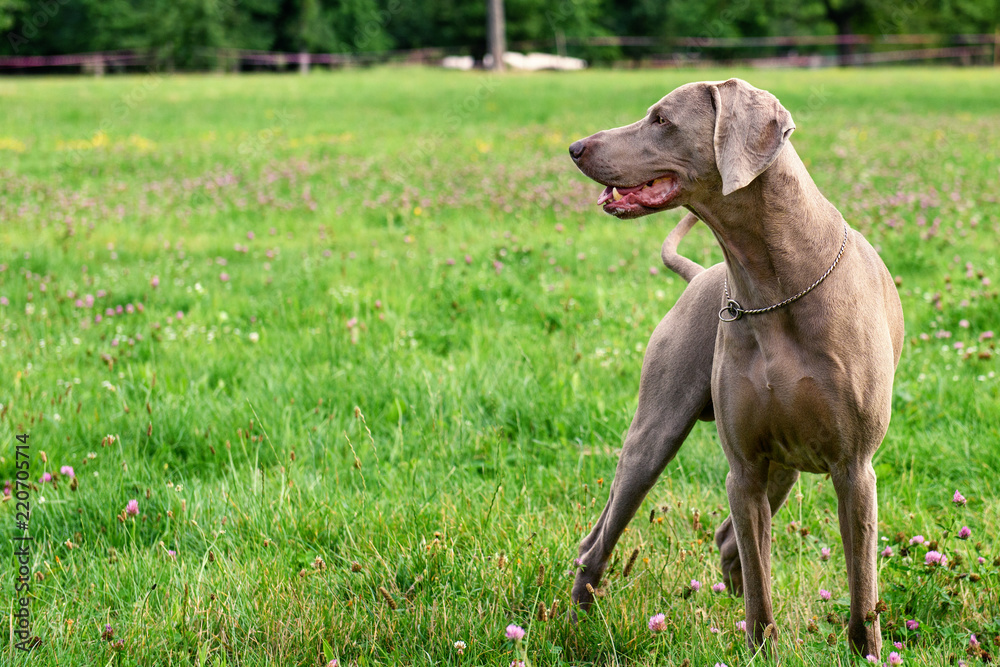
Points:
(639, 199)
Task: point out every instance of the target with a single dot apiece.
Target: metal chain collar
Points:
(734, 311)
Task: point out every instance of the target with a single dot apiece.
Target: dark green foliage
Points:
(183, 33)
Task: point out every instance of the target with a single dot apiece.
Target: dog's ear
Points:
(751, 128)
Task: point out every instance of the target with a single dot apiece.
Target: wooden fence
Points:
(798, 51)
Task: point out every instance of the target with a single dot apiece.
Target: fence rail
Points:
(853, 50)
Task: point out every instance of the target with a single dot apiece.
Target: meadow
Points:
(362, 349)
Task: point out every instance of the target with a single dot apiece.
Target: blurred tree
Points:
(361, 25)
(185, 33)
(302, 25)
(8, 12)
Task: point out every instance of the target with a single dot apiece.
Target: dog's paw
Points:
(582, 595)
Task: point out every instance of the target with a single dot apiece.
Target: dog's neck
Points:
(778, 234)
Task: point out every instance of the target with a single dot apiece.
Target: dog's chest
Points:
(786, 410)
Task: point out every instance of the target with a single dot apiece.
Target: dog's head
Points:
(701, 138)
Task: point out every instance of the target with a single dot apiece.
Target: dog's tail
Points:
(682, 266)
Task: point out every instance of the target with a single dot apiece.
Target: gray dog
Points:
(797, 366)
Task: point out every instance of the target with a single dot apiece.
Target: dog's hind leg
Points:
(674, 391)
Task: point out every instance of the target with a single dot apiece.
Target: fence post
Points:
(303, 62)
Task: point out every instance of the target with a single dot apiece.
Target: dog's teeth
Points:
(660, 180)
(615, 194)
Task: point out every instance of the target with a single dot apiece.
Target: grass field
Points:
(363, 349)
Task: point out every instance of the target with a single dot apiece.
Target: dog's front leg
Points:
(780, 480)
(750, 510)
(674, 390)
(857, 509)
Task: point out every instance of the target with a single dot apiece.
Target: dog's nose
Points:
(576, 149)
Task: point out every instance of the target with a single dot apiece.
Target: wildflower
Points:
(912, 624)
(154, 283)
(741, 626)
(958, 498)
(254, 337)
(132, 508)
(517, 663)
(824, 553)
(887, 552)
(719, 587)
(895, 659)
(515, 632)
(658, 623)
(964, 324)
(109, 633)
(250, 236)
(973, 641)
(46, 477)
(986, 335)
(695, 585)
(4, 301)
(180, 315)
(497, 265)
(351, 323)
(460, 646)
(67, 471)
(172, 554)
(917, 539)
(935, 558)
(714, 631)
(653, 271)
(871, 658)
(964, 533)
(981, 559)
(224, 277)
(720, 664)
(824, 594)
(898, 645)
(468, 259)
(333, 663)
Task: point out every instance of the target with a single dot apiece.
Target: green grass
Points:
(453, 445)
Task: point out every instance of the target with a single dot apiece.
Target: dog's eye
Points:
(660, 120)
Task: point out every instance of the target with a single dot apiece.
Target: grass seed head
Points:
(631, 562)
(388, 598)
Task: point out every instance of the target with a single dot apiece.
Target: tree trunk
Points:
(496, 34)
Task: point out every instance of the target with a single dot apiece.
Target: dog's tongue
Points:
(652, 194)
(609, 192)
